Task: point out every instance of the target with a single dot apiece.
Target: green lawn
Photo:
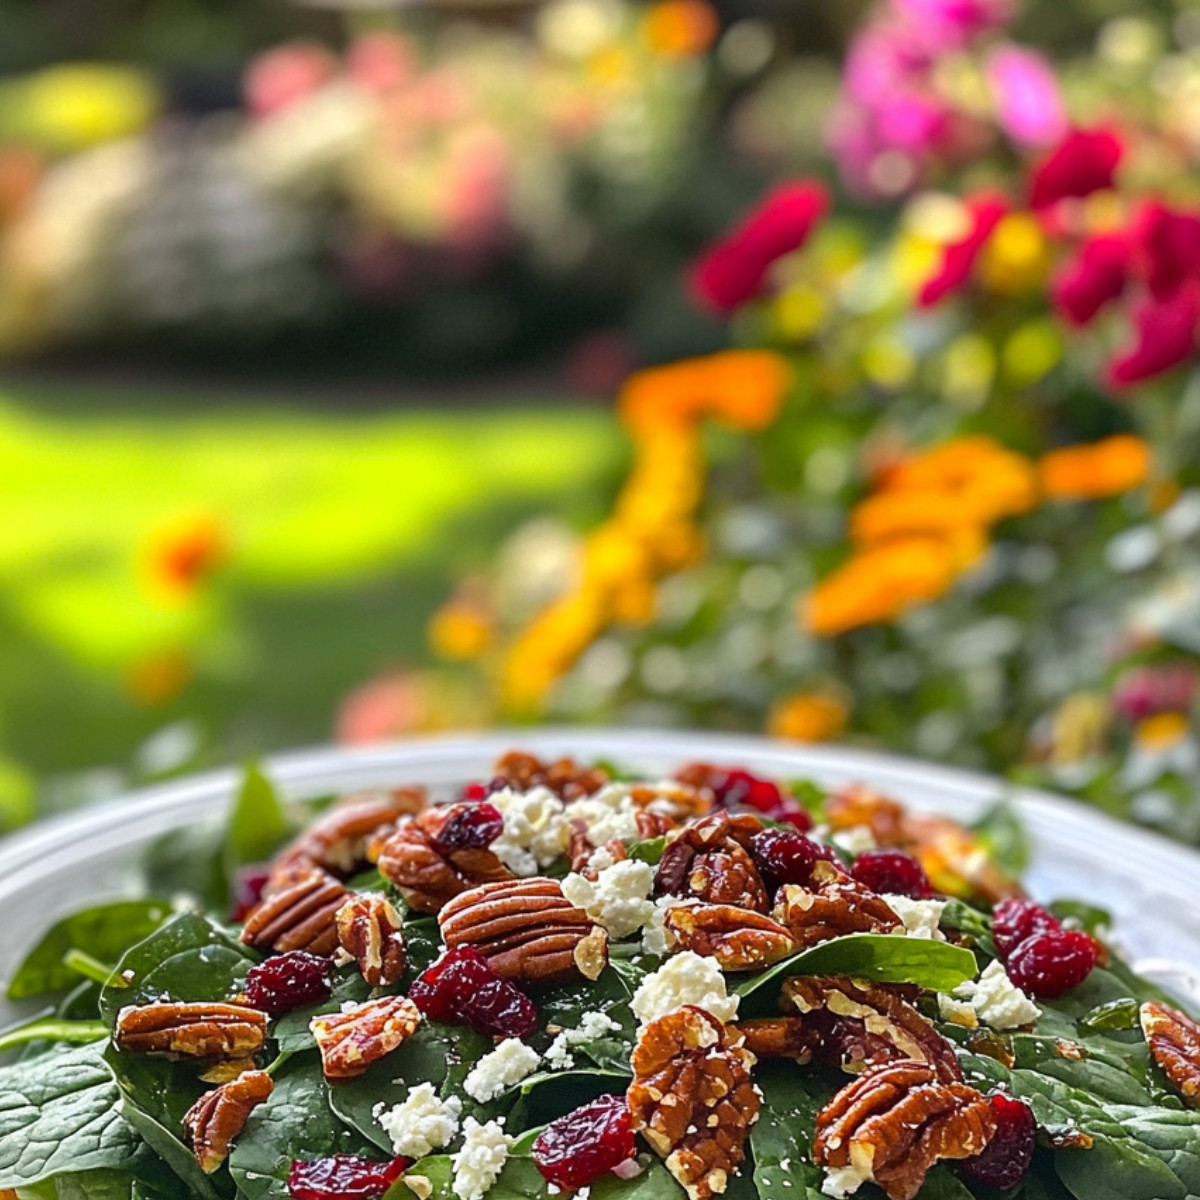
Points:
(345, 530)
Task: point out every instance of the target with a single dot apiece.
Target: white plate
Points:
(1151, 885)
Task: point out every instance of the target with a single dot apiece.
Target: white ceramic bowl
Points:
(1151, 885)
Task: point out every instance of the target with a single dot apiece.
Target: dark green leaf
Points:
(174, 1153)
(782, 1137)
(258, 825)
(1002, 834)
(104, 931)
(291, 1031)
(1115, 1014)
(649, 851)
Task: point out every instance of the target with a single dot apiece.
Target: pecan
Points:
(351, 1040)
(692, 1097)
(780, 1037)
(427, 873)
(301, 915)
(830, 905)
(895, 1121)
(337, 841)
(220, 1116)
(853, 1024)
(710, 860)
(191, 1030)
(368, 928)
(580, 851)
(738, 938)
(527, 930)
(565, 778)
(651, 824)
(1174, 1041)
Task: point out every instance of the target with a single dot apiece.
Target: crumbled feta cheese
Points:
(478, 1164)
(921, 917)
(654, 935)
(998, 1001)
(601, 860)
(535, 830)
(619, 899)
(592, 1025)
(421, 1123)
(610, 813)
(858, 839)
(840, 1182)
(508, 1064)
(958, 1012)
(684, 979)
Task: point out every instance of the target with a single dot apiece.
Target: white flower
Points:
(684, 979)
(421, 1123)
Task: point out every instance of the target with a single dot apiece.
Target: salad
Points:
(564, 981)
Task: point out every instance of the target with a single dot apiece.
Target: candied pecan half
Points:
(895, 1121)
(692, 1097)
(780, 1037)
(368, 928)
(527, 930)
(1174, 1041)
(337, 840)
(427, 874)
(566, 778)
(351, 1040)
(301, 915)
(830, 905)
(191, 1030)
(854, 1024)
(738, 938)
(219, 1116)
(710, 860)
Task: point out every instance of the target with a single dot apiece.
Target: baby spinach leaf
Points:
(175, 1154)
(258, 824)
(1004, 837)
(881, 957)
(650, 851)
(59, 1112)
(942, 1184)
(1089, 916)
(545, 1097)
(781, 1139)
(104, 931)
(961, 916)
(51, 1029)
(291, 1031)
(295, 1122)
(189, 861)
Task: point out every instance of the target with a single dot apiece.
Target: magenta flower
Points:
(1084, 162)
(1165, 336)
(1144, 691)
(1029, 105)
(958, 258)
(1170, 244)
(735, 269)
(1096, 276)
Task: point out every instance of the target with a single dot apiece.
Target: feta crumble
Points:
(654, 935)
(478, 1164)
(998, 1001)
(610, 813)
(508, 1064)
(535, 830)
(858, 839)
(619, 899)
(421, 1123)
(840, 1182)
(921, 918)
(684, 979)
(592, 1025)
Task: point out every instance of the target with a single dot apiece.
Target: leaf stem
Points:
(624, 949)
(54, 1030)
(83, 963)
(282, 1057)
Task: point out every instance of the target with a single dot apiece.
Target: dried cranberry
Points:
(1048, 964)
(1014, 920)
(576, 1150)
(479, 790)
(471, 827)
(461, 987)
(735, 787)
(1008, 1156)
(794, 814)
(892, 872)
(343, 1177)
(288, 981)
(247, 890)
(786, 857)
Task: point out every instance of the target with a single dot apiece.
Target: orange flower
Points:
(1096, 469)
(181, 554)
(1161, 731)
(548, 647)
(461, 630)
(680, 28)
(808, 717)
(879, 583)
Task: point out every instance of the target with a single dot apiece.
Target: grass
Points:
(345, 531)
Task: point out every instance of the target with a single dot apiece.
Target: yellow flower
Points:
(461, 630)
(808, 717)
(181, 554)
(1096, 469)
(1016, 258)
(1161, 731)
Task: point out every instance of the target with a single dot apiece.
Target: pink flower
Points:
(1029, 106)
(1096, 275)
(1165, 337)
(1145, 691)
(286, 75)
(958, 258)
(1084, 162)
(967, 17)
(381, 61)
(734, 270)
(1170, 242)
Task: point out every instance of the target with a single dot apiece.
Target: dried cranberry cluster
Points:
(343, 1177)
(1009, 1155)
(732, 788)
(1041, 957)
(578, 1149)
(461, 988)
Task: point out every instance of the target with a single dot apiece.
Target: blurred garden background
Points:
(818, 368)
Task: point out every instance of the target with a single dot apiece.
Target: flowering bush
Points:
(944, 497)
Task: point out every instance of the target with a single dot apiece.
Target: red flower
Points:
(958, 258)
(1083, 163)
(734, 270)
(1096, 275)
(1165, 337)
(1170, 242)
